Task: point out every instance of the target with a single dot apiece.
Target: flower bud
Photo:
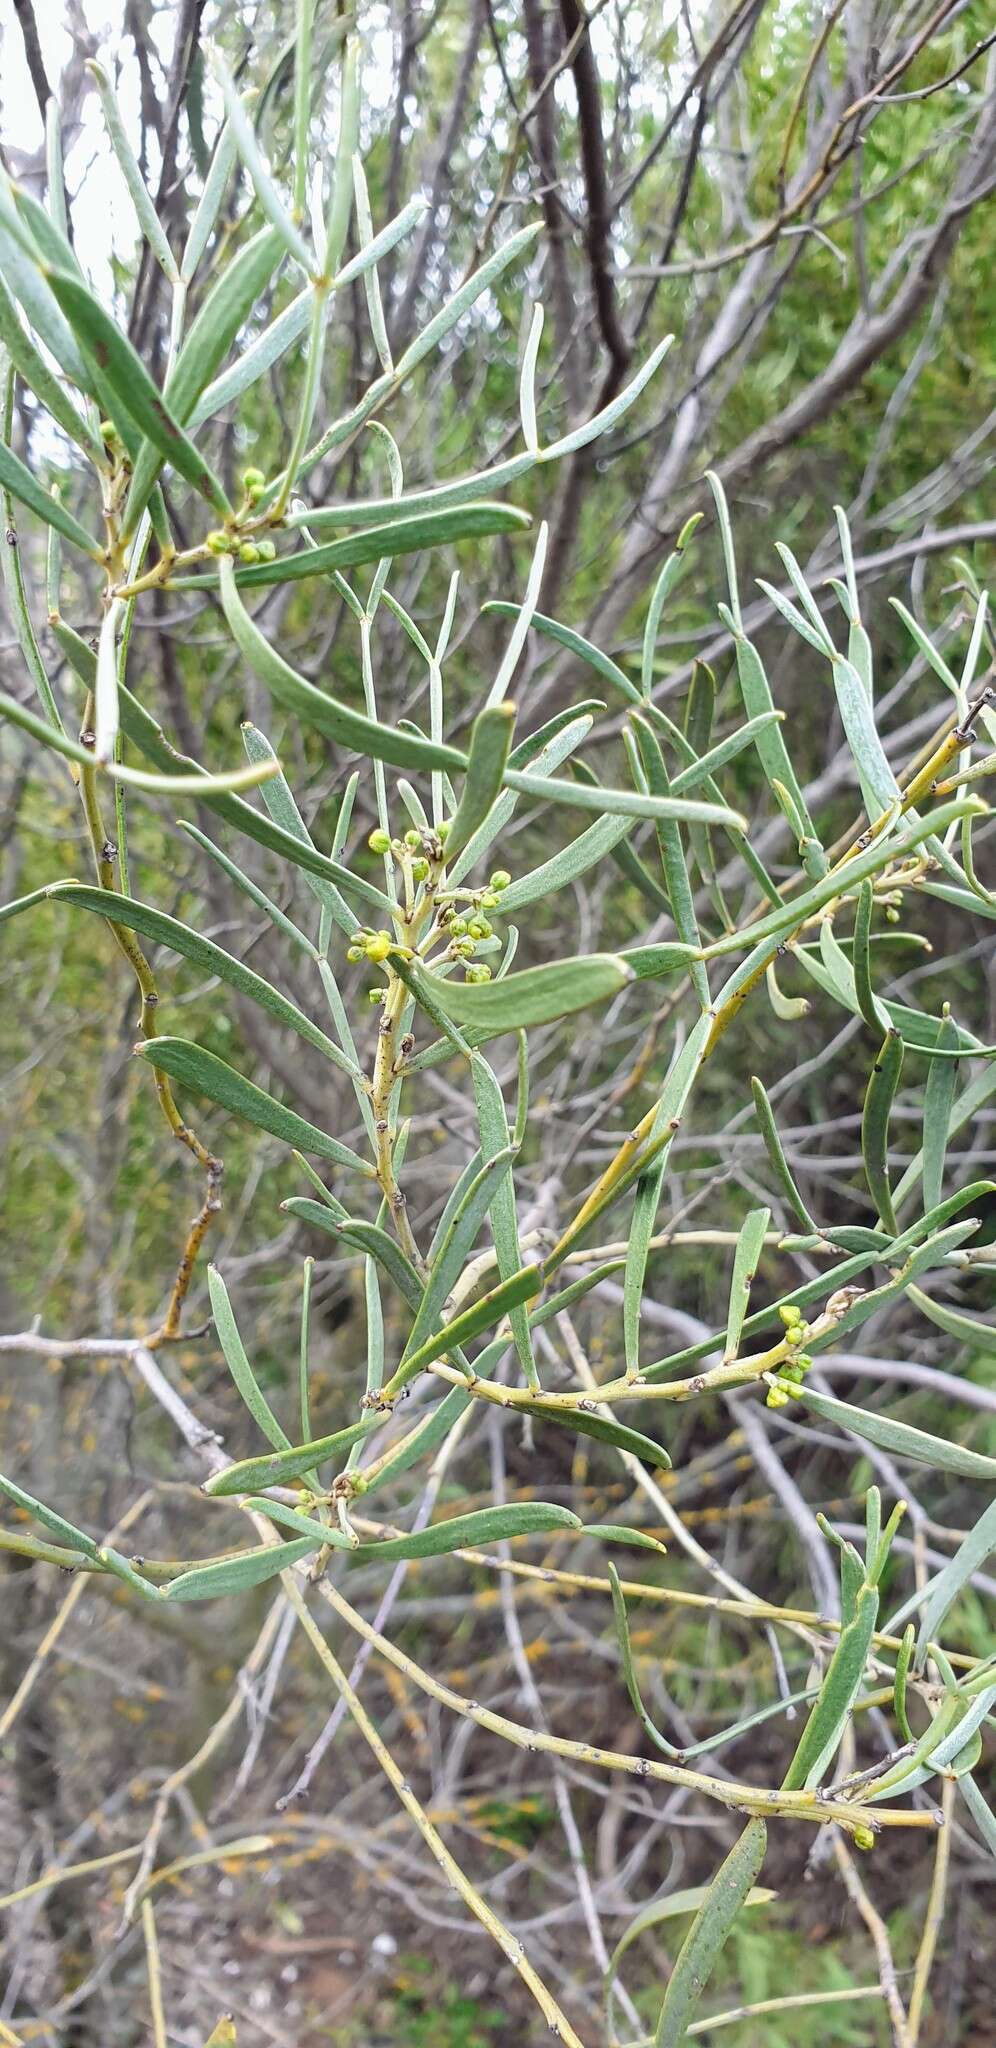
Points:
(376, 995)
(413, 838)
(253, 479)
(267, 550)
(379, 841)
(789, 1314)
(500, 879)
(443, 830)
(354, 953)
(248, 552)
(863, 1838)
(420, 869)
(481, 973)
(379, 946)
(489, 901)
(218, 541)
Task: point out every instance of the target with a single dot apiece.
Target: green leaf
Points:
(266, 192)
(18, 480)
(142, 729)
(605, 1429)
(938, 1598)
(254, 361)
(879, 1097)
(565, 636)
(873, 1012)
(148, 219)
(221, 318)
(238, 1363)
(938, 1102)
(602, 422)
(490, 740)
(35, 373)
(676, 877)
(373, 544)
(771, 749)
(728, 1892)
(688, 1900)
(366, 1237)
(493, 1126)
(537, 995)
(460, 1532)
(627, 803)
(970, 1330)
(567, 866)
(750, 1244)
(56, 1524)
(879, 787)
(776, 1156)
(317, 708)
(169, 785)
(899, 1438)
(206, 1074)
(824, 1730)
(238, 1574)
(205, 954)
(634, 1539)
(485, 1312)
(250, 1475)
(133, 387)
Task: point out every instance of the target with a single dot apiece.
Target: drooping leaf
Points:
(729, 1891)
(317, 708)
(750, 1244)
(133, 387)
(238, 1574)
(194, 1067)
(879, 1097)
(210, 958)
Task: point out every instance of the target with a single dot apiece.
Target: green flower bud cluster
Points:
(221, 543)
(793, 1369)
(369, 945)
(254, 484)
(420, 846)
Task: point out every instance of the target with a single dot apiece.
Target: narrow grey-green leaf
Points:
(372, 544)
(205, 954)
(134, 388)
(238, 1574)
(280, 1467)
(490, 740)
(938, 1101)
(824, 1729)
(208, 1075)
(317, 708)
(728, 1892)
(776, 1154)
(18, 480)
(750, 1244)
(606, 1430)
(882, 1085)
(568, 866)
(536, 995)
(238, 1363)
(900, 1438)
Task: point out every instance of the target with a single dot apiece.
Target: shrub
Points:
(432, 947)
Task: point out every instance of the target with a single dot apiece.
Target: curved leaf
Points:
(537, 995)
(206, 1074)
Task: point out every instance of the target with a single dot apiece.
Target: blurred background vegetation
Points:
(799, 193)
